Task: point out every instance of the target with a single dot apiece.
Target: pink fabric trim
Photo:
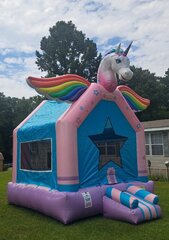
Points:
(145, 210)
(131, 200)
(133, 189)
(152, 208)
(115, 194)
(68, 182)
(141, 155)
(111, 177)
(150, 197)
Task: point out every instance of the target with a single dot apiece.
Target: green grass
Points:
(19, 223)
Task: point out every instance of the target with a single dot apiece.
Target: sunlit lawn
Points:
(19, 223)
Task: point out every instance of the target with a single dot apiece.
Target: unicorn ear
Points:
(127, 49)
(118, 49)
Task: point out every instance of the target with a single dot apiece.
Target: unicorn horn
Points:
(118, 49)
(127, 49)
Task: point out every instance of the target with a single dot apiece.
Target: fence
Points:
(159, 173)
(1, 161)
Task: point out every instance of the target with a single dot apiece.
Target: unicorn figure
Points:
(114, 63)
(70, 87)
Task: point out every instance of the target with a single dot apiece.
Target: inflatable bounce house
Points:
(82, 152)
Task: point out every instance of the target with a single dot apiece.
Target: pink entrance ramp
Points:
(135, 205)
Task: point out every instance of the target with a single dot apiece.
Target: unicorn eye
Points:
(118, 60)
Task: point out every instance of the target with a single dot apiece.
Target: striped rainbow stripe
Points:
(67, 87)
(136, 102)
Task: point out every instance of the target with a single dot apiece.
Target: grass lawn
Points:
(19, 223)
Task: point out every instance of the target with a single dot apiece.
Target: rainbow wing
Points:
(67, 87)
(136, 102)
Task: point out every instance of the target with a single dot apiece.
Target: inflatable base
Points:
(63, 206)
(71, 206)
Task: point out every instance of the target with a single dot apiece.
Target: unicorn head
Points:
(114, 63)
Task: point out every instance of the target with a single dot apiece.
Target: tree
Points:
(13, 111)
(24, 107)
(6, 126)
(67, 50)
(165, 89)
(149, 86)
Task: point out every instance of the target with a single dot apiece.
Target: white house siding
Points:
(157, 162)
(158, 167)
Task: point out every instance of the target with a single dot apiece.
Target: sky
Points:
(23, 23)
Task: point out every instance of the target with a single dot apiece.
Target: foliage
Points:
(66, 50)
(33, 225)
(165, 85)
(149, 86)
(13, 111)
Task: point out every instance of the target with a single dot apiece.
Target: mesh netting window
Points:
(110, 151)
(36, 155)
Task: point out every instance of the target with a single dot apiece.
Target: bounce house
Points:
(82, 152)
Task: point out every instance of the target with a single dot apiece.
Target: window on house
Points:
(147, 141)
(36, 155)
(154, 144)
